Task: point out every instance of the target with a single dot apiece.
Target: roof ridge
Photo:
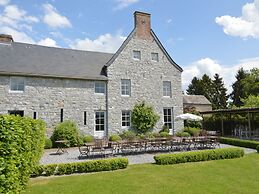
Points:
(60, 48)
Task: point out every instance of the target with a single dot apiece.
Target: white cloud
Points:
(244, 26)
(169, 21)
(104, 43)
(124, 3)
(17, 35)
(15, 17)
(48, 42)
(53, 18)
(4, 2)
(210, 67)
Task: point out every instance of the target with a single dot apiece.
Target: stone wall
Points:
(147, 78)
(48, 96)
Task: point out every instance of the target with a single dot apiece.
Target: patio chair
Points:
(83, 151)
(97, 148)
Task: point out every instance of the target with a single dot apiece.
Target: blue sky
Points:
(215, 36)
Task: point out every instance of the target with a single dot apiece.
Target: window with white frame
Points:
(154, 57)
(136, 55)
(17, 84)
(125, 87)
(99, 87)
(99, 121)
(167, 89)
(168, 117)
(125, 118)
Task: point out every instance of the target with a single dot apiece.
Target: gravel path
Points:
(49, 156)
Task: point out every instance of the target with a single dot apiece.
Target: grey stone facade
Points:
(147, 78)
(47, 96)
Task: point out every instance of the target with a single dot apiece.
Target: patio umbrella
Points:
(188, 116)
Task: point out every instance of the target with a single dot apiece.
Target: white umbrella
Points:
(188, 116)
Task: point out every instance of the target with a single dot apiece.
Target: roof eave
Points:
(101, 78)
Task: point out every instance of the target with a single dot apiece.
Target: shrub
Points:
(66, 131)
(37, 171)
(164, 134)
(50, 169)
(143, 117)
(183, 134)
(48, 143)
(164, 129)
(257, 148)
(88, 139)
(83, 167)
(150, 135)
(21, 146)
(196, 156)
(115, 138)
(239, 142)
(128, 135)
(192, 131)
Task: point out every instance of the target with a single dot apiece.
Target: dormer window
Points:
(136, 55)
(154, 57)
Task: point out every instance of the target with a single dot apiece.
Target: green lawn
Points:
(223, 176)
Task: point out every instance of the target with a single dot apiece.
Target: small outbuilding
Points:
(199, 102)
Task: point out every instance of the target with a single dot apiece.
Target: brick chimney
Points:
(5, 38)
(142, 25)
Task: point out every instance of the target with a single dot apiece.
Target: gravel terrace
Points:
(50, 156)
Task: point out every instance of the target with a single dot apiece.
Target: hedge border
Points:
(239, 142)
(81, 167)
(197, 156)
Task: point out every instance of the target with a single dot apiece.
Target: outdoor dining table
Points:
(61, 145)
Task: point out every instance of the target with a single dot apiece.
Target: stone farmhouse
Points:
(96, 90)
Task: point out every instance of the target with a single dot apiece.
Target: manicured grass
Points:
(221, 176)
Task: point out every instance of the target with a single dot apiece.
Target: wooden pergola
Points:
(250, 112)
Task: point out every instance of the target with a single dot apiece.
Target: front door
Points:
(100, 124)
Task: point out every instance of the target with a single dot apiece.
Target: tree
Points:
(251, 82)
(251, 102)
(195, 88)
(219, 96)
(143, 117)
(238, 88)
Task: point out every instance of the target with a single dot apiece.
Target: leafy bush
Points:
(193, 124)
(48, 143)
(196, 156)
(192, 131)
(50, 169)
(88, 139)
(37, 171)
(239, 142)
(21, 146)
(66, 131)
(164, 129)
(115, 138)
(183, 134)
(143, 117)
(257, 148)
(83, 167)
(164, 134)
(128, 135)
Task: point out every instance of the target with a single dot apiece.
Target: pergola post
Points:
(249, 125)
(222, 125)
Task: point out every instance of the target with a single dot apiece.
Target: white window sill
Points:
(135, 59)
(16, 92)
(125, 95)
(166, 96)
(101, 94)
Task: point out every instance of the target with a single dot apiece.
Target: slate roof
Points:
(34, 60)
(195, 99)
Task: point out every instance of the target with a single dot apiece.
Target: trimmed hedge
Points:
(21, 146)
(196, 156)
(81, 167)
(48, 143)
(257, 148)
(239, 142)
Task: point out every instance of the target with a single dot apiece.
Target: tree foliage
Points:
(238, 88)
(214, 90)
(143, 117)
(251, 102)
